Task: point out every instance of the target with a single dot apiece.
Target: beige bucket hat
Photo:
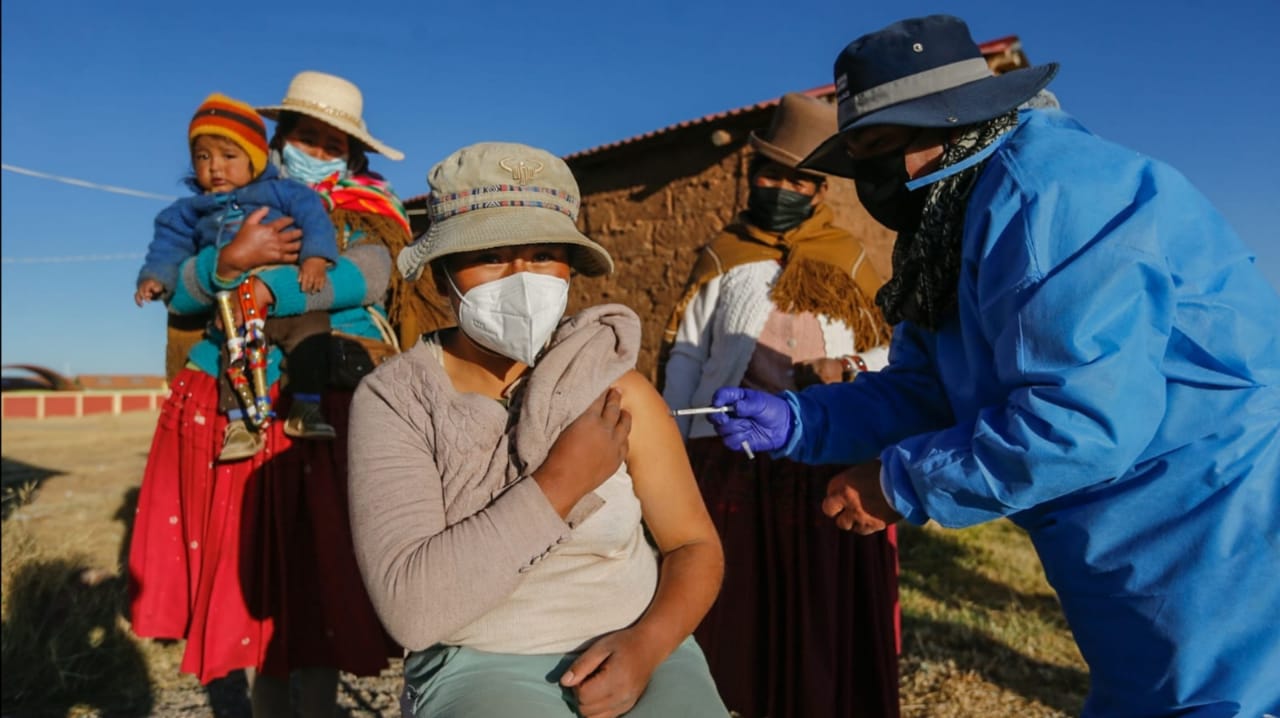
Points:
(332, 100)
(502, 194)
(799, 125)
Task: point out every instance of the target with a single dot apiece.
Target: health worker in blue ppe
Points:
(1081, 344)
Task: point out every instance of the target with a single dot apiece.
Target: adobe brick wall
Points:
(655, 202)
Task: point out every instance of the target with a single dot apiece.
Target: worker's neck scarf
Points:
(926, 262)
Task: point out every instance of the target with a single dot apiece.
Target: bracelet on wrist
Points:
(853, 365)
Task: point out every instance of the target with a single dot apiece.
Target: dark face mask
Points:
(882, 189)
(774, 209)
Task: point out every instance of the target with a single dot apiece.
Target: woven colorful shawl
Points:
(362, 193)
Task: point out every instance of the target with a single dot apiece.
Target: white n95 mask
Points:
(513, 316)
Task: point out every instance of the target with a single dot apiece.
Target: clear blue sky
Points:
(103, 91)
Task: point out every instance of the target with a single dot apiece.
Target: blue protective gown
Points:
(1111, 383)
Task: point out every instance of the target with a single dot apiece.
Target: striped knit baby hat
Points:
(222, 116)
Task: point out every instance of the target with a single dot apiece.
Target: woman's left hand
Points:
(611, 675)
(256, 244)
(817, 371)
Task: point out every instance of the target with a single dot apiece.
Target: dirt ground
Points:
(85, 473)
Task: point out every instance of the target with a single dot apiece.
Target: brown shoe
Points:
(238, 442)
(306, 422)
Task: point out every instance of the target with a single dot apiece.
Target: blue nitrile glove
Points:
(760, 419)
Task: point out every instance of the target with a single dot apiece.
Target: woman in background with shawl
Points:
(805, 626)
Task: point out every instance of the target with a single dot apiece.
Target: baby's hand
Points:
(148, 289)
(311, 274)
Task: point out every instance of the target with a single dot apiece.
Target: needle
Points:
(746, 448)
(702, 410)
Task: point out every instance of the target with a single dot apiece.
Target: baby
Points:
(233, 178)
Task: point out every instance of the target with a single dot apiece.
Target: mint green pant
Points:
(458, 682)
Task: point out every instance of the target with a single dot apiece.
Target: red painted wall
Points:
(49, 404)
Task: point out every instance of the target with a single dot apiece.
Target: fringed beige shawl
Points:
(824, 272)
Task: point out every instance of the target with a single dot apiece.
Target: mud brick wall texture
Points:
(655, 200)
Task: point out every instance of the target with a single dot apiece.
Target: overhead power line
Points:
(73, 258)
(86, 184)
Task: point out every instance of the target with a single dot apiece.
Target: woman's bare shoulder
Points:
(650, 416)
(636, 389)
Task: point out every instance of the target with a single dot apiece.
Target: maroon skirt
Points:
(251, 561)
(806, 624)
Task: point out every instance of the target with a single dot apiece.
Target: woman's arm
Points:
(358, 279)
(213, 269)
(846, 367)
(691, 568)
(690, 351)
(851, 422)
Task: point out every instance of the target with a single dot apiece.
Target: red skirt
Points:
(251, 561)
(806, 624)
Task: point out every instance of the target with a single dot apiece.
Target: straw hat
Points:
(502, 194)
(332, 100)
(799, 125)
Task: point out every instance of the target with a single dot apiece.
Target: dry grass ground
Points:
(983, 635)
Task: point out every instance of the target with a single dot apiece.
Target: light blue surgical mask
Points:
(303, 167)
(973, 159)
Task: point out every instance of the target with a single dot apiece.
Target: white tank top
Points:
(599, 580)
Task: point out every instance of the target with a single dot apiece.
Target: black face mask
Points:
(774, 209)
(882, 189)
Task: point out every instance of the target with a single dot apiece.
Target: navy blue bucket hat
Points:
(922, 72)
